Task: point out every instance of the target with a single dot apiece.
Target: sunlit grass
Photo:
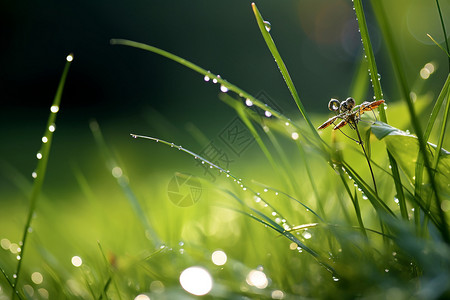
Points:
(296, 216)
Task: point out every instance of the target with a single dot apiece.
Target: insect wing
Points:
(327, 122)
(340, 124)
(371, 105)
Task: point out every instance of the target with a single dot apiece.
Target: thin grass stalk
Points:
(378, 92)
(41, 167)
(397, 65)
(444, 31)
(367, 158)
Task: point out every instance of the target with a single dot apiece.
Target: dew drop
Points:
(34, 175)
(44, 139)
(223, 88)
(39, 155)
(14, 275)
(51, 128)
(206, 78)
(335, 278)
(267, 25)
(268, 114)
(248, 102)
(54, 109)
(69, 57)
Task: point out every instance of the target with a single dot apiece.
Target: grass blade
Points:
(444, 32)
(287, 78)
(378, 92)
(396, 62)
(41, 168)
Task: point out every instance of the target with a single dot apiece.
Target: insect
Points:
(348, 113)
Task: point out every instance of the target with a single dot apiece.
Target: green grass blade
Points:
(396, 62)
(208, 75)
(276, 55)
(41, 168)
(378, 92)
(238, 181)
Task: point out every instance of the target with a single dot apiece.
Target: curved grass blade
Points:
(41, 168)
(287, 78)
(212, 165)
(285, 233)
(208, 75)
(437, 44)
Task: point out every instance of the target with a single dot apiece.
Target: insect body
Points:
(348, 113)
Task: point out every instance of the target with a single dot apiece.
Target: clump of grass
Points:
(393, 244)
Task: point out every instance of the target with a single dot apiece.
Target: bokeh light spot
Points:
(37, 278)
(142, 297)
(77, 261)
(196, 280)
(219, 258)
(257, 279)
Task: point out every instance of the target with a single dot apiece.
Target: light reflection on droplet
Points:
(37, 278)
(69, 57)
(5, 243)
(51, 128)
(219, 258)
(18, 257)
(54, 108)
(257, 279)
(267, 25)
(44, 139)
(307, 235)
(248, 102)
(29, 291)
(268, 113)
(292, 246)
(34, 175)
(294, 136)
(206, 78)
(39, 155)
(430, 67)
(223, 88)
(14, 248)
(77, 261)
(117, 172)
(43, 293)
(142, 297)
(157, 287)
(196, 280)
(425, 73)
(277, 294)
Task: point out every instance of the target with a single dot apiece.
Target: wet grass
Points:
(299, 217)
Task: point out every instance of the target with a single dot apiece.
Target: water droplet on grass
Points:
(44, 139)
(267, 25)
(248, 102)
(39, 155)
(206, 78)
(223, 88)
(54, 109)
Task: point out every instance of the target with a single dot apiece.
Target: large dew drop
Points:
(267, 25)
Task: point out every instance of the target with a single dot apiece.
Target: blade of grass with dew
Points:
(360, 83)
(208, 75)
(123, 183)
(396, 62)
(39, 174)
(378, 92)
(437, 44)
(284, 72)
(286, 234)
(212, 165)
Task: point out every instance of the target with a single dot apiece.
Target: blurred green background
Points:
(128, 91)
